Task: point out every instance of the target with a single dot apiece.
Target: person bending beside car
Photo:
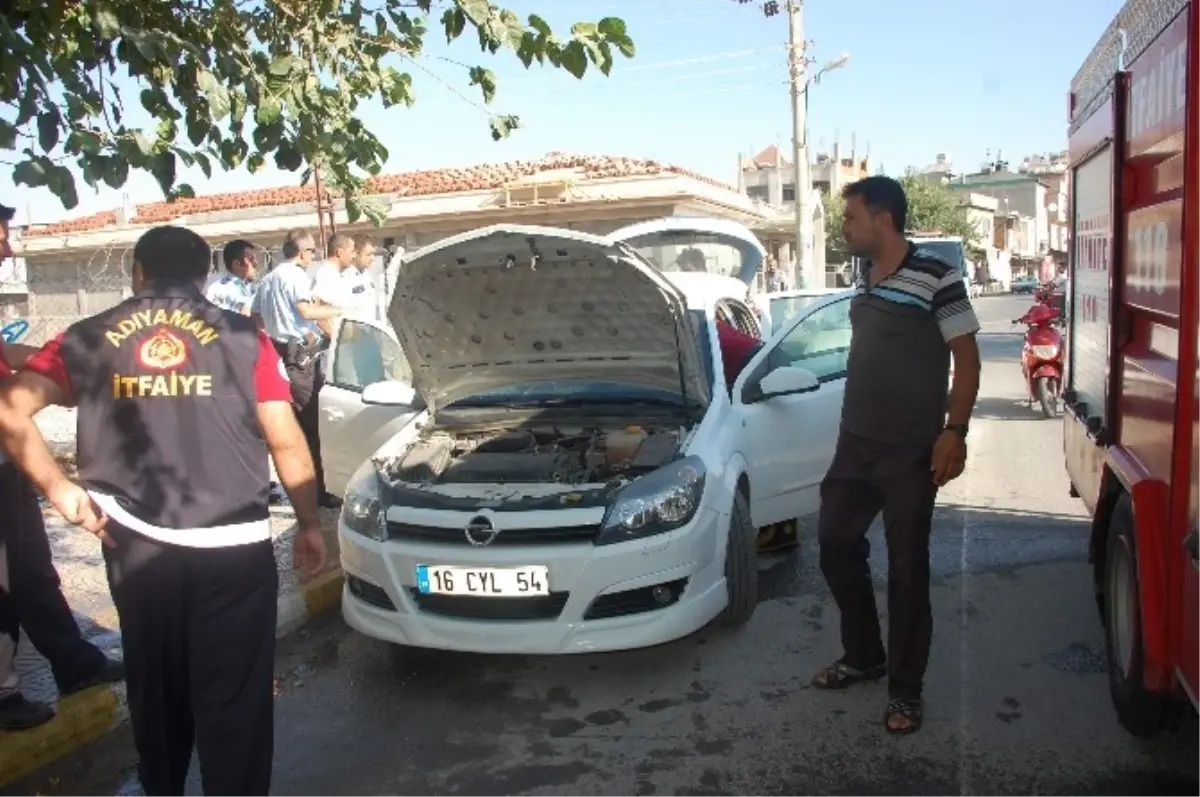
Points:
(898, 444)
(736, 350)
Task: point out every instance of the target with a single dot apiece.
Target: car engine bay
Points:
(535, 456)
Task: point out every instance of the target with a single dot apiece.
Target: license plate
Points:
(484, 582)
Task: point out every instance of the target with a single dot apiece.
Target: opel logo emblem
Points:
(480, 531)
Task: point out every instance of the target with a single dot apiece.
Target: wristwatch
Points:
(961, 428)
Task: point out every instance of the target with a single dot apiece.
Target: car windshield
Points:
(950, 251)
(786, 308)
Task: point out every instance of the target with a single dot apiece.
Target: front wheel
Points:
(741, 565)
(1139, 711)
(1047, 393)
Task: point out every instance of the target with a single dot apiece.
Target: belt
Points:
(297, 353)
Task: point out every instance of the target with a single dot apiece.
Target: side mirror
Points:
(389, 393)
(787, 380)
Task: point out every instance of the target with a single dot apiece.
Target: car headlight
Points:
(656, 503)
(362, 508)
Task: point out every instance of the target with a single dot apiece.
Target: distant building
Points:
(769, 178)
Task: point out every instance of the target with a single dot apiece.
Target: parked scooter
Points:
(1042, 356)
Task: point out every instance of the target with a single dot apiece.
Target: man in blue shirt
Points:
(289, 312)
(235, 289)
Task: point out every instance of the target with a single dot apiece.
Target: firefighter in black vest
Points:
(179, 405)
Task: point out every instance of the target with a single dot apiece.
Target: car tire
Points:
(1139, 711)
(741, 565)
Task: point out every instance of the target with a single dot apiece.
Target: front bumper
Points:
(600, 596)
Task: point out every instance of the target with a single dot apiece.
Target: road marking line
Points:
(965, 775)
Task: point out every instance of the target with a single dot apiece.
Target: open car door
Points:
(362, 353)
(792, 427)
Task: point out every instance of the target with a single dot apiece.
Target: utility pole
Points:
(798, 70)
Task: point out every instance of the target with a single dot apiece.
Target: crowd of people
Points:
(186, 391)
(183, 393)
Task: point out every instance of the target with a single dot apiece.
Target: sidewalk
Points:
(90, 714)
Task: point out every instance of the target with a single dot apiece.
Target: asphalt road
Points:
(1016, 694)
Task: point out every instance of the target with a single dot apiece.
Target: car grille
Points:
(457, 536)
(541, 607)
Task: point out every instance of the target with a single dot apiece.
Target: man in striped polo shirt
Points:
(900, 441)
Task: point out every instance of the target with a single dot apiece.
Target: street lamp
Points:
(832, 64)
(803, 180)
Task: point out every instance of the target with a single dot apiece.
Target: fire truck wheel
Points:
(1140, 712)
(741, 565)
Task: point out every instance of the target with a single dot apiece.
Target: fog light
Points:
(661, 595)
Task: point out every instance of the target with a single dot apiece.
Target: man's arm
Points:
(285, 440)
(21, 397)
(293, 462)
(958, 323)
(965, 389)
(15, 354)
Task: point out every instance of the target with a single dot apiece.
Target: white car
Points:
(563, 469)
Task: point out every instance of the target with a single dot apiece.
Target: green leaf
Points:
(284, 65)
(116, 172)
(61, 181)
(181, 191)
(288, 157)
(540, 25)
(144, 143)
(268, 111)
(48, 130)
(8, 135)
(106, 23)
(163, 169)
(454, 21)
(203, 162)
(613, 28)
(256, 162)
(574, 59)
(478, 11)
(502, 126)
(486, 80)
(587, 30)
(31, 173)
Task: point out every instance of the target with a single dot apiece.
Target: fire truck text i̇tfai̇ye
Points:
(1130, 422)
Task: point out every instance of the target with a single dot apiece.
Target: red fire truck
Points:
(1130, 425)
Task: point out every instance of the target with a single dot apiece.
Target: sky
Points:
(709, 81)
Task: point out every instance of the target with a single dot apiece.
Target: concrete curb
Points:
(89, 715)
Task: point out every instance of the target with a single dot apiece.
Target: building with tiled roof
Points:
(80, 266)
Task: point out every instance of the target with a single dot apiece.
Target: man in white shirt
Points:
(329, 283)
(362, 299)
(290, 312)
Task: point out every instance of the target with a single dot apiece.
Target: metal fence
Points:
(66, 287)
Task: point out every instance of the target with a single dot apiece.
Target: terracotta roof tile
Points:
(408, 184)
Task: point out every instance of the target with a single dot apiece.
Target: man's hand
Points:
(308, 551)
(949, 457)
(74, 504)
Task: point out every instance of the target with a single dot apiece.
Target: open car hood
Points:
(512, 305)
